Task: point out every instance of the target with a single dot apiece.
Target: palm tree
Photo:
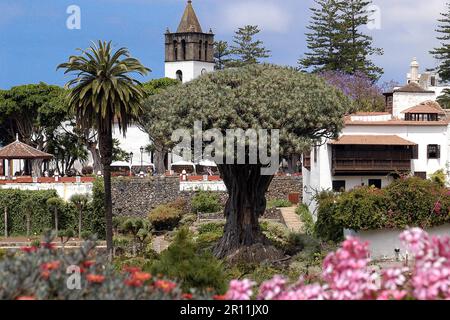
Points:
(101, 93)
(80, 201)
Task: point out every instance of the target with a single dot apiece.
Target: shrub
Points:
(306, 218)
(97, 223)
(213, 227)
(326, 227)
(361, 209)
(181, 261)
(407, 202)
(209, 233)
(188, 220)
(205, 202)
(278, 203)
(164, 217)
(87, 170)
(439, 177)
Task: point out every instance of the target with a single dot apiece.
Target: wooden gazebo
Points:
(19, 151)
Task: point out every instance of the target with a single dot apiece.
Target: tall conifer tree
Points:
(246, 48)
(442, 54)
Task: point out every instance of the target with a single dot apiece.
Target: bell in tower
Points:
(189, 51)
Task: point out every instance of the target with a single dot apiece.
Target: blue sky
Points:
(34, 38)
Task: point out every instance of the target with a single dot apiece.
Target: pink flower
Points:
(394, 278)
(240, 290)
(272, 288)
(392, 295)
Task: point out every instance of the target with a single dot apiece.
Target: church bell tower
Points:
(189, 51)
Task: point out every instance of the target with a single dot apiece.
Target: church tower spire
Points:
(189, 51)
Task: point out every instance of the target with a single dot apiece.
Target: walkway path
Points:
(160, 244)
(291, 219)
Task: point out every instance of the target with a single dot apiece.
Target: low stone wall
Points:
(136, 197)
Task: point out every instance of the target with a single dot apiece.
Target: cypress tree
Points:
(442, 54)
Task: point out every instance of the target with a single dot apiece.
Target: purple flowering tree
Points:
(366, 95)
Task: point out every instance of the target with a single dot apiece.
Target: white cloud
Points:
(269, 16)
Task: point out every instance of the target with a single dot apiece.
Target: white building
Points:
(412, 136)
(189, 53)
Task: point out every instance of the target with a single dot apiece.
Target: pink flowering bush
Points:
(346, 275)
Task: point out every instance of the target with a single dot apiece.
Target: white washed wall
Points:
(64, 190)
(383, 243)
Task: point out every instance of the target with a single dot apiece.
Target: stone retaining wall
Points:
(136, 197)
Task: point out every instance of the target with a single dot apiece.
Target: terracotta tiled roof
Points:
(426, 107)
(370, 114)
(372, 140)
(395, 122)
(189, 21)
(413, 87)
(20, 150)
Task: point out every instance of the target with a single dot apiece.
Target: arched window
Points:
(175, 50)
(206, 50)
(200, 49)
(183, 48)
(180, 75)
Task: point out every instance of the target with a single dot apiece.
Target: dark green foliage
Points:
(278, 203)
(205, 202)
(181, 261)
(221, 54)
(295, 243)
(407, 202)
(96, 222)
(326, 227)
(444, 99)
(247, 50)
(306, 218)
(336, 41)
(164, 217)
(41, 205)
(442, 53)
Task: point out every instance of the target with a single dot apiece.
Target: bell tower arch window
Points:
(200, 50)
(206, 50)
(183, 49)
(179, 75)
(175, 50)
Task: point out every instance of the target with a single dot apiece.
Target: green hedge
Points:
(20, 202)
(407, 202)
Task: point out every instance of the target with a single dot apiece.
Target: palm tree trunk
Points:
(79, 223)
(106, 147)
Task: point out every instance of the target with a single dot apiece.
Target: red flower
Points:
(142, 276)
(187, 296)
(131, 269)
(133, 282)
(95, 278)
(26, 298)
(45, 274)
(220, 297)
(29, 249)
(49, 246)
(88, 263)
(164, 285)
(49, 266)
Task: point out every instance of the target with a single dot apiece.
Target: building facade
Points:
(374, 148)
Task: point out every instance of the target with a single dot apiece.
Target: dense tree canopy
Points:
(303, 107)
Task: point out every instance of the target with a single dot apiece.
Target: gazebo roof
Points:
(19, 150)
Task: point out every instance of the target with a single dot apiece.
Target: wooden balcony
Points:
(369, 166)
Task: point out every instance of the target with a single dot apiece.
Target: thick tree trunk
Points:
(37, 168)
(106, 146)
(246, 203)
(159, 157)
(97, 165)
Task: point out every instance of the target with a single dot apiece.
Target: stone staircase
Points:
(291, 219)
